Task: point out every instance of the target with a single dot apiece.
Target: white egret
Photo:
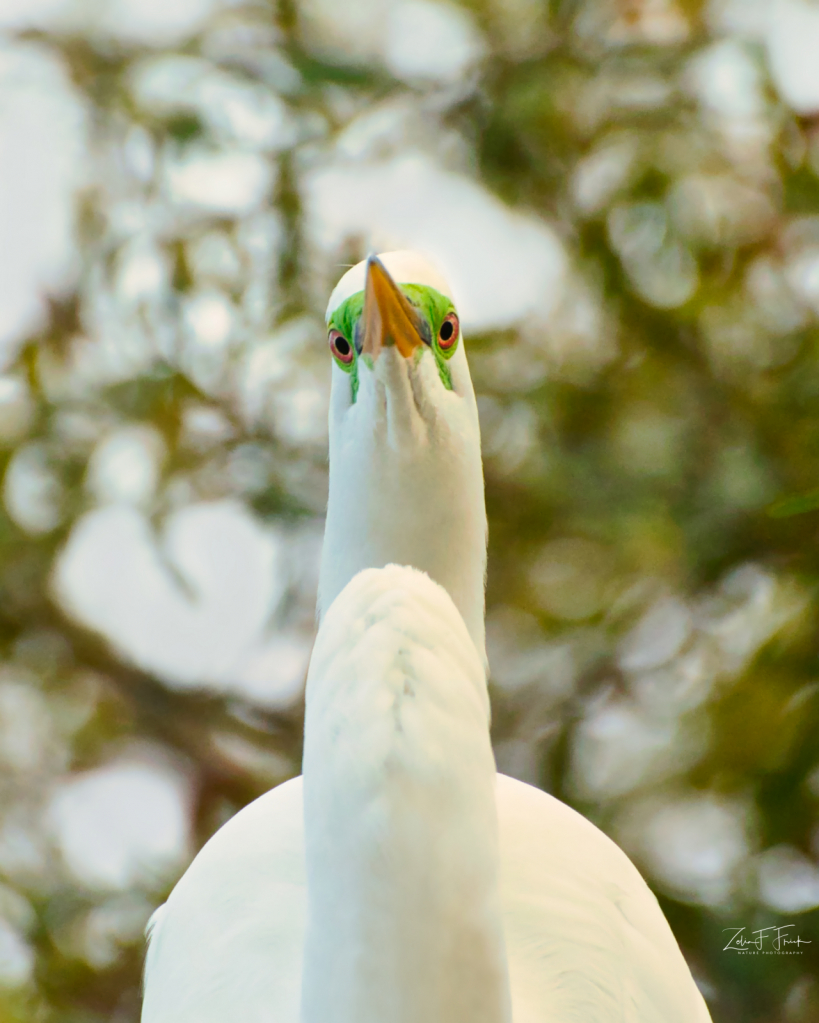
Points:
(400, 880)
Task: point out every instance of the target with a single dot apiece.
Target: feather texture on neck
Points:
(400, 817)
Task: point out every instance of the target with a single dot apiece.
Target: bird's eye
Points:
(341, 347)
(448, 334)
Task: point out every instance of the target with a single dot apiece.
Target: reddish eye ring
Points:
(448, 334)
(341, 347)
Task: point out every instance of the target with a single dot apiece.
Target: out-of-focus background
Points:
(625, 196)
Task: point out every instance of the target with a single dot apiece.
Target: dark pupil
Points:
(342, 346)
(447, 330)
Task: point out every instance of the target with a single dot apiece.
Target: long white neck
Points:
(406, 482)
(400, 818)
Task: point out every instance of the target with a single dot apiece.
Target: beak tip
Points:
(374, 261)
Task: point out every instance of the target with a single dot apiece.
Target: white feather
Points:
(399, 807)
(585, 940)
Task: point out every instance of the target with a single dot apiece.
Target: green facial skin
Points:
(433, 306)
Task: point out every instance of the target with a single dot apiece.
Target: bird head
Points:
(406, 479)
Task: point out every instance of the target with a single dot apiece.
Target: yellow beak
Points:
(388, 317)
